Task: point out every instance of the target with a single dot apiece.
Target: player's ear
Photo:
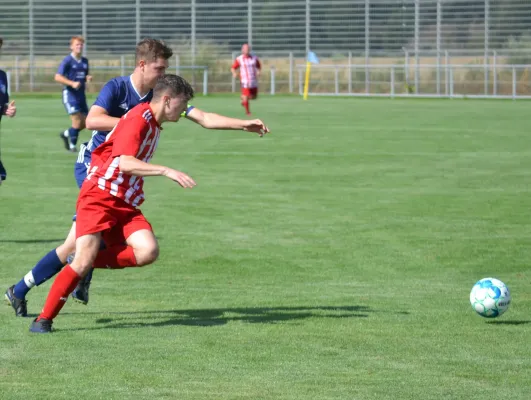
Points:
(142, 63)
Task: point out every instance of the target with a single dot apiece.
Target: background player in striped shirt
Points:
(107, 203)
(116, 98)
(250, 68)
(6, 108)
(73, 73)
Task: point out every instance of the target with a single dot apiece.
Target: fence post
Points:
(31, 46)
(349, 80)
(84, 25)
(205, 81)
(17, 76)
(177, 64)
(417, 30)
(406, 65)
(514, 83)
(122, 65)
(192, 33)
(272, 80)
(233, 82)
(494, 73)
(392, 81)
(250, 22)
(301, 85)
(137, 18)
(367, 47)
(486, 47)
(451, 82)
(290, 72)
(336, 80)
(446, 73)
(307, 26)
(438, 30)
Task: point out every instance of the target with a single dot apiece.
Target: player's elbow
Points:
(89, 123)
(208, 121)
(125, 165)
(57, 78)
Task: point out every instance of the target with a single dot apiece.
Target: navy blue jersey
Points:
(117, 97)
(4, 95)
(75, 70)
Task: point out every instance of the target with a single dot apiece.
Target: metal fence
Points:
(475, 33)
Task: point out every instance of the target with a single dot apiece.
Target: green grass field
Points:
(332, 259)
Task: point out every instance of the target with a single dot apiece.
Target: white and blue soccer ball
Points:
(490, 298)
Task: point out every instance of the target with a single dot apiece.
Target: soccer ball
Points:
(490, 298)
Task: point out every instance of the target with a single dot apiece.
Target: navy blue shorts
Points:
(75, 102)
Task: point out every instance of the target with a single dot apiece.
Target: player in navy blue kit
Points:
(6, 108)
(117, 97)
(73, 73)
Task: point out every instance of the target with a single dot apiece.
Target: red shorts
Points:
(99, 211)
(250, 92)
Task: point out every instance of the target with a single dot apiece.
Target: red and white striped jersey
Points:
(136, 134)
(248, 70)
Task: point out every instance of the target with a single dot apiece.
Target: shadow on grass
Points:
(222, 316)
(508, 322)
(30, 241)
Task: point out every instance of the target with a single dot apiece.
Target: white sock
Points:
(29, 280)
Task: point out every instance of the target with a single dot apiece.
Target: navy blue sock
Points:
(88, 277)
(73, 135)
(47, 267)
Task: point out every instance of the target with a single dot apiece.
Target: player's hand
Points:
(88, 78)
(256, 126)
(76, 85)
(11, 109)
(181, 178)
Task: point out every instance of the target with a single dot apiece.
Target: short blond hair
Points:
(77, 38)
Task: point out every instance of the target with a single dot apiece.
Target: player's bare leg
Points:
(87, 248)
(145, 246)
(245, 104)
(70, 135)
(68, 246)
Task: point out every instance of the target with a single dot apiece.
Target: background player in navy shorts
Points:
(73, 73)
(6, 108)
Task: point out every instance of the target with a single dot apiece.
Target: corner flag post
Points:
(311, 59)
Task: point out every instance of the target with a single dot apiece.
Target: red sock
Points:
(245, 104)
(64, 284)
(116, 257)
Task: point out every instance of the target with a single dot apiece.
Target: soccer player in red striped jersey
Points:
(250, 68)
(107, 204)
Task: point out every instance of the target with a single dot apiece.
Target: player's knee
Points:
(64, 250)
(147, 255)
(81, 265)
(80, 124)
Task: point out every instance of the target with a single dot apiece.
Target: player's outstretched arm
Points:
(98, 119)
(133, 166)
(216, 121)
